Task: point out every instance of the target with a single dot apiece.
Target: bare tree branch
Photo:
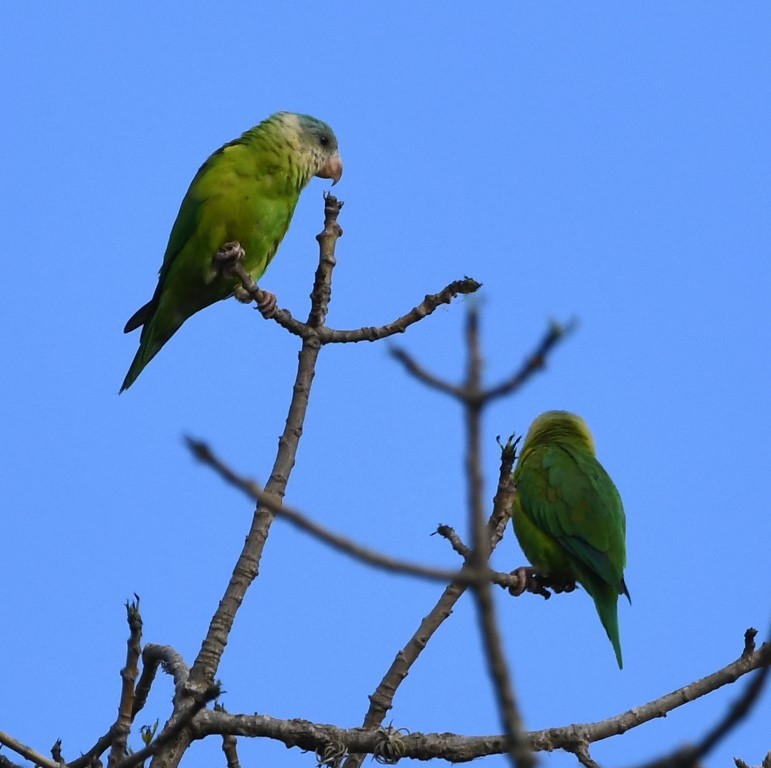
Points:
(266, 305)
(429, 304)
(360, 552)
(229, 744)
(561, 738)
(456, 748)
(172, 663)
(581, 751)
(518, 750)
(535, 361)
(230, 748)
(27, 752)
(690, 755)
(56, 752)
(195, 687)
(176, 727)
(449, 533)
(421, 374)
(6, 763)
(246, 569)
(326, 335)
(205, 666)
(153, 656)
(341, 543)
(382, 698)
(122, 727)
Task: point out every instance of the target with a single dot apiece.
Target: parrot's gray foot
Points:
(240, 293)
(267, 304)
(528, 580)
(228, 256)
(228, 260)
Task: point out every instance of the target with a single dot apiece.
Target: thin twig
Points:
(338, 542)
(421, 374)
(86, 759)
(326, 335)
(535, 361)
(690, 755)
(172, 663)
(555, 738)
(449, 533)
(229, 744)
(27, 752)
(122, 726)
(581, 751)
(473, 459)
(429, 305)
(346, 546)
(230, 748)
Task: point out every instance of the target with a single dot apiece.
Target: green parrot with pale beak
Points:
(245, 193)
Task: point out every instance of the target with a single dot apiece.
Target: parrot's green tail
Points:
(141, 359)
(606, 602)
(150, 344)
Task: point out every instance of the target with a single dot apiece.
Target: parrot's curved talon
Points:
(267, 304)
(529, 580)
(227, 256)
(538, 586)
(525, 576)
(241, 294)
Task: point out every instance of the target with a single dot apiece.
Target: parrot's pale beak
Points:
(332, 169)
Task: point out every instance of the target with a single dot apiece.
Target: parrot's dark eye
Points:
(323, 140)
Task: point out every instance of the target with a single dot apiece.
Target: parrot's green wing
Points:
(187, 226)
(572, 498)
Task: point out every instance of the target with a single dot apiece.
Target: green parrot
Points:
(246, 192)
(568, 515)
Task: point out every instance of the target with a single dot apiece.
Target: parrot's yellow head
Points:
(558, 425)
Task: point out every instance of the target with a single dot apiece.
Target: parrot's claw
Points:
(267, 304)
(228, 256)
(241, 294)
(560, 586)
(528, 580)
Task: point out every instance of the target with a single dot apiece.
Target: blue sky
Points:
(604, 161)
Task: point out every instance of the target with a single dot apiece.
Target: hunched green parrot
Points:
(246, 192)
(568, 515)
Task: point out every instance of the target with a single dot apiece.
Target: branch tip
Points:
(749, 642)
